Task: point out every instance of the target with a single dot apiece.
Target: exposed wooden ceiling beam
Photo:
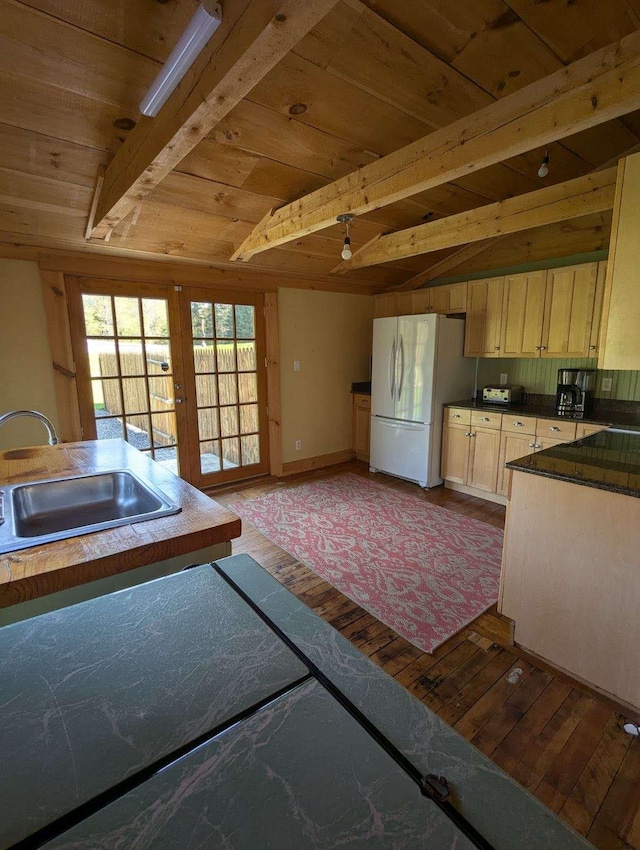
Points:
(448, 264)
(592, 193)
(598, 88)
(473, 249)
(254, 36)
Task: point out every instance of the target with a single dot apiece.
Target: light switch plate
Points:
(606, 385)
(504, 379)
(296, 365)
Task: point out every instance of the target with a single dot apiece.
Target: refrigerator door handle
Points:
(392, 369)
(401, 381)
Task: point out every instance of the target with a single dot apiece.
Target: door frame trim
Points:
(56, 303)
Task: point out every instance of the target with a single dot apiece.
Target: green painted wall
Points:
(559, 262)
(540, 376)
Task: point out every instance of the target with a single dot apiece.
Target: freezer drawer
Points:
(400, 448)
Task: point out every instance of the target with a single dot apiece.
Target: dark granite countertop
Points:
(212, 707)
(609, 461)
(363, 387)
(602, 412)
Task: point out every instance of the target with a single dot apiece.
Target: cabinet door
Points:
(439, 301)
(512, 446)
(523, 314)
(361, 426)
(619, 339)
(483, 459)
(455, 453)
(384, 305)
(421, 301)
(484, 316)
(596, 324)
(404, 303)
(568, 312)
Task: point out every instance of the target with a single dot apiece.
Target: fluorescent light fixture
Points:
(200, 28)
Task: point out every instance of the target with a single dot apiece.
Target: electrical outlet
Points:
(504, 379)
(296, 365)
(606, 385)
(298, 445)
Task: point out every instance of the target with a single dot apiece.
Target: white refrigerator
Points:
(418, 366)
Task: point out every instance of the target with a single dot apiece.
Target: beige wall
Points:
(330, 334)
(26, 376)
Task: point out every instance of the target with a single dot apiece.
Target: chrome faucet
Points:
(13, 414)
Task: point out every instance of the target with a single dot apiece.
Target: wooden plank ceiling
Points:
(370, 78)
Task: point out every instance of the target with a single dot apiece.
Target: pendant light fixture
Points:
(346, 219)
(543, 171)
(201, 27)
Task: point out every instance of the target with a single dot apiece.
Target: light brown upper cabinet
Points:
(619, 338)
(451, 298)
(484, 317)
(523, 308)
(569, 312)
(550, 313)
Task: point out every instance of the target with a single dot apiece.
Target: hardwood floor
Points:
(562, 741)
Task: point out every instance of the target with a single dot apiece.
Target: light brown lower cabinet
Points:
(470, 455)
(476, 445)
(361, 425)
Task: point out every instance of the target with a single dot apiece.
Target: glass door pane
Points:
(228, 386)
(131, 372)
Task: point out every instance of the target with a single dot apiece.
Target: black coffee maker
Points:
(574, 391)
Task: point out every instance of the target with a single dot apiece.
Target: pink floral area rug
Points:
(424, 571)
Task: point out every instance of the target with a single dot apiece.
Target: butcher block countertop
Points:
(35, 572)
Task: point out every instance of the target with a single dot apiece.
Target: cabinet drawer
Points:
(515, 424)
(458, 416)
(486, 419)
(556, 429)
(586, 430)
(362, 400)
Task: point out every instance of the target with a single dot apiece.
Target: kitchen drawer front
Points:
(458, 416)
(556, 429)
(362, 400)
(486, 419)
(515, 424)
(586, 430)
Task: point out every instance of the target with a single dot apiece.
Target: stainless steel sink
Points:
(45, 511)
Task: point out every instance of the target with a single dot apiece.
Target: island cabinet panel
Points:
(569, 311)
(483, 459)
(484, 318)
(570, 580)
(523, 314)
(619, 338)
(455, 452)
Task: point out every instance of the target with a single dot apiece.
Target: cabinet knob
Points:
(468, 434)
(543, 348)
(518, 424)
(485, 419)
(554, 428)
(457, 416)
(534, 445)
(537, 348)
(497, 348)
(592, 348)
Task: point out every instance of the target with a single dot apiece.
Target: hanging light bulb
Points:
(543, 171)
(346, 219)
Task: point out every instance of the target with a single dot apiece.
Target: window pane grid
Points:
(225, 359)
(132, 380)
